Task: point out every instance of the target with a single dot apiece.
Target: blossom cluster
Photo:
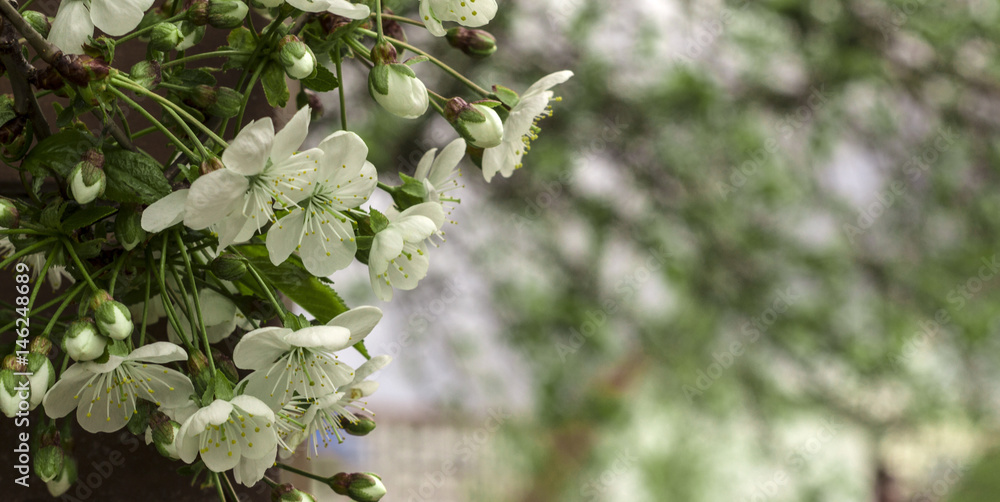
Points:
(167, 272)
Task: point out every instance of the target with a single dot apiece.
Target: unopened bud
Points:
(114, 320)
(201, 96)
(383, 53)
(397, 89)
(360, 427)
(14, 363)
(297, 58)
(147, 74)
(211, 165)
(359, 486)
(40, 345)
(82, 341)
(229, 267)
(49, 462)
(57, 487)
(197, 12)
(288, 493)
(10, 217)
(98, 298)
(42, 378)
(226, 14)
(474, 43)
(165, 37)
(87, 180)
(476, 122)
(224, 364)
(38, 21)
(198, 368)
(128, 227)
(227, 103)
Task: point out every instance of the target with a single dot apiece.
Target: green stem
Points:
(378, 20)
(447, 69)
(187, 130)
(79, 264)
(267, 290)
(229, 485)
(246, 94)
(143, 132)
(145, 309)
(203, 55)
(168, 309)
(340, 87)
(8, 231)
(124, 82)
(194, 295)
(114, 274)
(401, 19)
(55, 317)
(218, 487)
(41, 277)
(300, 472)
(156, 123)
(26, 251)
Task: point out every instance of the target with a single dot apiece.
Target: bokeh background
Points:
(753, 256)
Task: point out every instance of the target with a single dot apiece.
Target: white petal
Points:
(290, 138)
(261, 347)
(356, 189)
(430, 210)
(465, 12)
(359, 320)
(424, 166)
(406, 271)
(344, 153)
(331, 338)
(371, 366)
(330, 246)
(431, 22)
(59, 400)
(71, 26)
(170, 388)
(445, 163)
(165, 212)
(348, 9)
(284, 236)
(248, 152)
(383, 291)
(158, 352)
(251, 470)
(309, 5)
(253, 406)
(213, 197)
(118, 17)
(386, 246)
(547, 82)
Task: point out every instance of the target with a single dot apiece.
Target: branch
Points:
(20, 73)
(48, 52)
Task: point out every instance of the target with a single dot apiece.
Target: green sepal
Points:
(378, 79)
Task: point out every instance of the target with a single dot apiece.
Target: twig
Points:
(19, 71)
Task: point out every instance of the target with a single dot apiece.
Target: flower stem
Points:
(246, 95)
(203, 55)
(194, 295)
(10, 259)
(401, 19)
(378, 19)
(447, 69)
(70, 295)
(79, 264)
(168, 309)
(218, 487)
(300, 472)
(143, 31)
(145, 309)
(124, 82)
(156, 123)
(340, 88)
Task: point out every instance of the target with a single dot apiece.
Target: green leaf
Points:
(378, 220)
(58, 154)
(240, 39)
(6, 109)
(86, 217)
(193, 78)
(322, 81)
(273, 81)
(133, 177)
(292, 279)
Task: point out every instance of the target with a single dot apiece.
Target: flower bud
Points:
(82, 341)
(288, 493)
(49, 462)
(164, 434)
(229, 267)
(191, 35)
(201, 96)
(360, 486)
(474, 43)
(11, 388)
(114, 320)
(200, 372)
(38, 21)
(197, 12)
(97, 299)
(128, 227)
(87, 180)
(40, 345)
(383, 53)
(224, 364)
(226, 14)
(297, 58)
(42, 378)
(361, 427)
(331, 22)
(211, 165)
(476, 122)
(227, 103)
(147, 74)
(165, 37)
(65, 480)
(10, 217)
(397, 89)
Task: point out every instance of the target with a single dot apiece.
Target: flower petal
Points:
(359, 320)
(64, 395)
(288, 140)
(71, 26)
(165, 212)
(248, 152)
(330, 246)
(348, 9)
(386, 246)
(213, 197)
(158, 352)
(445, 163)
(285, 235)
(261, 347)
(331, 338)
(118, 17)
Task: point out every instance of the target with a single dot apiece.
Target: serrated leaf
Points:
(58, 154)
(292, 279)
(323, 81)
(275, 88)
(86, 217)
(133, 177)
